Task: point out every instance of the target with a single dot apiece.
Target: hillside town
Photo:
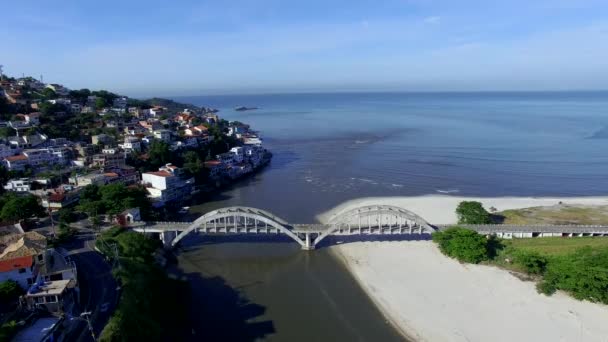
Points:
(93, 159)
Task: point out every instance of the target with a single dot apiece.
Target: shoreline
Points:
(440, 209)
(342, 259)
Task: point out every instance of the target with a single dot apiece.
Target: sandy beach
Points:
(433, 298)
(440, 209)
(430, 297)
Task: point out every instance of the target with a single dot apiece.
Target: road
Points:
(98, 289)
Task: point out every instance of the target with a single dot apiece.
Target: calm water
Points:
(329, 148)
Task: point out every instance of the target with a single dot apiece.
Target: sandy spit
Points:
(433, 298)
(440, 209)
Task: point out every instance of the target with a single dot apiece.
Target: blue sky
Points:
(145, 48)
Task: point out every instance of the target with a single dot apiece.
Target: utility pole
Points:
(1, 72)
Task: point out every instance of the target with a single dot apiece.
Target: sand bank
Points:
(433, 298)
(440, 209)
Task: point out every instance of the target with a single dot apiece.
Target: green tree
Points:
(100, 103)
(6, 132)
(66, 215)
(471, 212)
(9, 292)
(463, 244)
(18, 208)
(90, 193)
(49, 93)
(159, 153)
(192, 162)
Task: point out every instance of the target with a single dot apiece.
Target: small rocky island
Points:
(243, 108)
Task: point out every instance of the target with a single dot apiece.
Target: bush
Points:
(531, 262)
(471, 212)
(463, 244)
(584, 274)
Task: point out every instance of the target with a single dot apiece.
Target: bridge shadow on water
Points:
(209, 239)
(219, 312)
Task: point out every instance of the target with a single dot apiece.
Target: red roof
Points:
(17, 157)
(160, 173)
(212, 163)
(16, 263)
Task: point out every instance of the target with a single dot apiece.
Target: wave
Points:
(447, 191)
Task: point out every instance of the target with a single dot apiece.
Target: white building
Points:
(18, 185)
(130, 144)
(166, 184)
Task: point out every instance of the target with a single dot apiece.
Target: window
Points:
(30, 281)
(40, 257)
(51, 299)
(22, 270)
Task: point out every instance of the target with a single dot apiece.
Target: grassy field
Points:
(556, 245)
(557, 214)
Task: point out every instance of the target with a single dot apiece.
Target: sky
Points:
(172, 48)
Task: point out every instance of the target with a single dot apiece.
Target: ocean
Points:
(329, 148)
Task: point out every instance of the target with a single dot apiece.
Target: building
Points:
(131, 144)
(88, 179)
(120, 102)
(56, 296)
(22, 185)
(162, 134)
(196, 130)
(167, 184)
(217, 169)
(16, 163)
(108, 160)
(102, 139)
(76, 108)
(19, 254)
(61, 198)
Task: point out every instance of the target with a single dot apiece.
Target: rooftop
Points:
(21, 245)
(160, 173)
(49, 288)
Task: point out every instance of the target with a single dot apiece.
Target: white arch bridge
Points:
(366, 220)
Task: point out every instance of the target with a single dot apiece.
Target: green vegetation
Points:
(9, 292)
(113, 199)
(8, 330)
(557, 214)
(16, 208)
(471, 212)
(583, 274)
(152, 306)
(550, 246)
(462, 244)
(578, 266)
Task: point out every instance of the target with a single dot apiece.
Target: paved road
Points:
(98, 289)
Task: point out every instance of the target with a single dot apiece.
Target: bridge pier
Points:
(167, 237)
(308, 244)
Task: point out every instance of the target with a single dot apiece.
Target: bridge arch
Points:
(364, 214)
(240, 212)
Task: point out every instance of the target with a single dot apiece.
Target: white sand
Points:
(434, 298)
(440, 209)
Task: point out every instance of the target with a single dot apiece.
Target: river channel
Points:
(273, 291)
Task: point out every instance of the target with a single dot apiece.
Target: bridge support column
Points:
(308, 245)
(167, 237)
